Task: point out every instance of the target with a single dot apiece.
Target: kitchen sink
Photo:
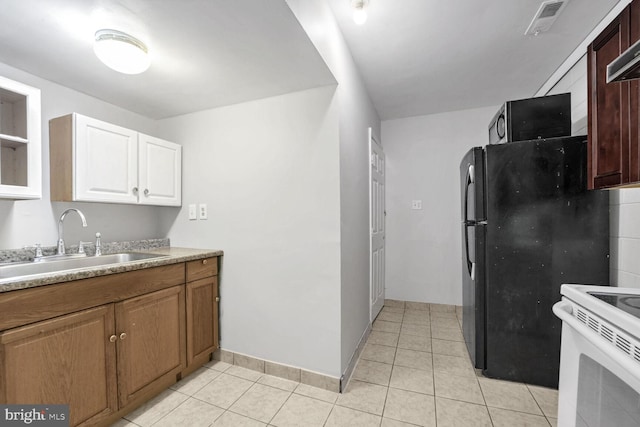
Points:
(32, 270)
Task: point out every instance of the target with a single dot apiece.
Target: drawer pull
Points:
(204, 261)
(123, 335)
(113, 338)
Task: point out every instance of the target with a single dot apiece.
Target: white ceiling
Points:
(206, 53)
(429, 56)
(416, 56)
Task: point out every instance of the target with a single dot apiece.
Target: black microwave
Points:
(532, 118)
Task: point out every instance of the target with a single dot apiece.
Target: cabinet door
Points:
(151, 341)
(66, 360)
(20, 141)
(202, 319)
(105, 162)
(608, 108)
(633, 161)
(160, 173)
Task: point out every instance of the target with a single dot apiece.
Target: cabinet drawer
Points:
(202, 268)
(49, 301)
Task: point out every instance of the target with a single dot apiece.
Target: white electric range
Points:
(600, 356)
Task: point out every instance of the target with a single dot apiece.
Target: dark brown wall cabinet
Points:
(614, 113)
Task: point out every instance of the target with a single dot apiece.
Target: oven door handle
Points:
(564, 311)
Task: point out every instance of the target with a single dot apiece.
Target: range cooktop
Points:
(628, 303)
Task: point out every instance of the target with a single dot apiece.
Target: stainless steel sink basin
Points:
(32, 270)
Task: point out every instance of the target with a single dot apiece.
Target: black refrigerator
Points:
(529, 224)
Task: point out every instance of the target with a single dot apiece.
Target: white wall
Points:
(575, 82)
(356, 115)
(423, 160)
(269, 172)
(328, 316)
(624, 204)
(25, 222)
(286, 181)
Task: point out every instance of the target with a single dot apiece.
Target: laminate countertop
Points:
(170, 255)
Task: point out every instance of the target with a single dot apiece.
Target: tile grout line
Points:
(173, 410)
(386, 394)
(241, 395)
(158, 420)
(396, 349)
(328, 416)
(265, 385)
(484, 399)
(536, 400)
(384, 407)
(228, 409)
(433, 369)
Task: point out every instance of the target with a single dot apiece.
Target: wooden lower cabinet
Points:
(144, 330)
(72, 359)
(151, 340)
(202, 312)
(66, 360)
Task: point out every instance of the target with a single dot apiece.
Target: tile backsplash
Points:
(24, 254)
(625, 237)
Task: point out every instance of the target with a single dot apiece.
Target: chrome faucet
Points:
(61, 250)
(98, 244)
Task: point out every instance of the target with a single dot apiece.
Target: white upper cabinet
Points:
(160, 162)
(20, 141)
(95, 161)
(105, 162)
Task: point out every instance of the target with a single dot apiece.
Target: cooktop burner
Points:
(626, 302)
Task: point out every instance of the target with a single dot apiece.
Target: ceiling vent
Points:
(545, 16)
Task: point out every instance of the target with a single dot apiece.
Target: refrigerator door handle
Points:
(467, 223)
(471, 266)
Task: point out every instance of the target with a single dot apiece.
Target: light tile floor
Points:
(414, 370)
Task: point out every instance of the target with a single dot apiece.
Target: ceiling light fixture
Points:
(359, 11)
(121, 52)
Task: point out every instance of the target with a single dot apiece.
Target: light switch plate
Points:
(192, 212)
(416, 204)
(203, 210)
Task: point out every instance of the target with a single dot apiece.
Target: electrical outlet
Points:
(416, 204)
(203, 210)
(192, 212)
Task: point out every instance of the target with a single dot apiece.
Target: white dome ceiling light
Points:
(121, 52)
(359, 11)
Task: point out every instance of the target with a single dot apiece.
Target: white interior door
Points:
(376, 224)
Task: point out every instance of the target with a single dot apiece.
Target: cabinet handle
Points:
(135, 190)
(113, 338)
(204, 261)
(146, 192)
(217, 299)
(123, 335)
